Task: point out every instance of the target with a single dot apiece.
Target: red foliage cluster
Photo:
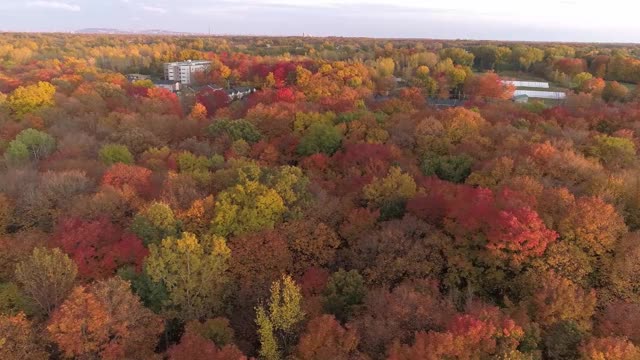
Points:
(511, 231)
(123, 177)
(98, 247)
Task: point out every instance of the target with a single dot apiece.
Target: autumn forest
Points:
(369, 199)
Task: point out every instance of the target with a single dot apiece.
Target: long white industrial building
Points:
(539, 94)
(527, 84)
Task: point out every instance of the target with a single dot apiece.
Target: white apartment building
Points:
(183, 71)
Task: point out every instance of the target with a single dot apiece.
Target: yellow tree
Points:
(280, 319)
(385, 67)
(193, 271)
(47, 277)
(395, 186)
(390, 193)
(27, 99)
(247, 207)
(303, 77)
(270, 81)
(422, 72)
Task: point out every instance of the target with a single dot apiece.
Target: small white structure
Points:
(184, 71)
(527, 84)
(171, 85)
(538, 94)
(137, 77)
(239, 93)
(520, 99)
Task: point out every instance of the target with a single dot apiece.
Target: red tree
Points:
(487, 86)
(195, 347)
(213, 99)
(98, 247)
(326, 339)
(513, 232)
(123, 177)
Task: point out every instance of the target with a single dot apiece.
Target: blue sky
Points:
(554, 20)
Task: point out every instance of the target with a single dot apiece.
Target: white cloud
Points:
(586, 15)
(59, 5)
(154, 9)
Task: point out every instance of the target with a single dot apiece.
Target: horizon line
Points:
(119, 32)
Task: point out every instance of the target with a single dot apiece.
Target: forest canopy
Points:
(366, 199)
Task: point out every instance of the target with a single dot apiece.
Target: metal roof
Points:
(537, 94)
(527, 84)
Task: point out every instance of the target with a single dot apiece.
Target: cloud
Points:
(154, 9)
(59, 5)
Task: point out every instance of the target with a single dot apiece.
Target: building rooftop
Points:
(538, 94)
(527, 84)
(165, 82)
(191, 62)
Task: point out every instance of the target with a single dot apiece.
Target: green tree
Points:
(153, 294)
(190, 163)
(196, 166)
(115, 153)
(27, 99)
(344, 291)
(525, 56)
(579, 80)
(217, 330)
(485, 56)
(30, 144)
(236, 129)
(454, 168)
(247, 207)
(291, 184)
(562, 340)
(193, 272)
(613, 150)
(320, 138)
(305, 119)
(390, 193)
(47, 276)
(146, 83)
(12, 301)
(17, 153)
(458, 56)
(155, 223)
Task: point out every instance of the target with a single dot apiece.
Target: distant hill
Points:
(101, 31)
(118, 31)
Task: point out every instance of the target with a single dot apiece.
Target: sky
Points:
(530, 20)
